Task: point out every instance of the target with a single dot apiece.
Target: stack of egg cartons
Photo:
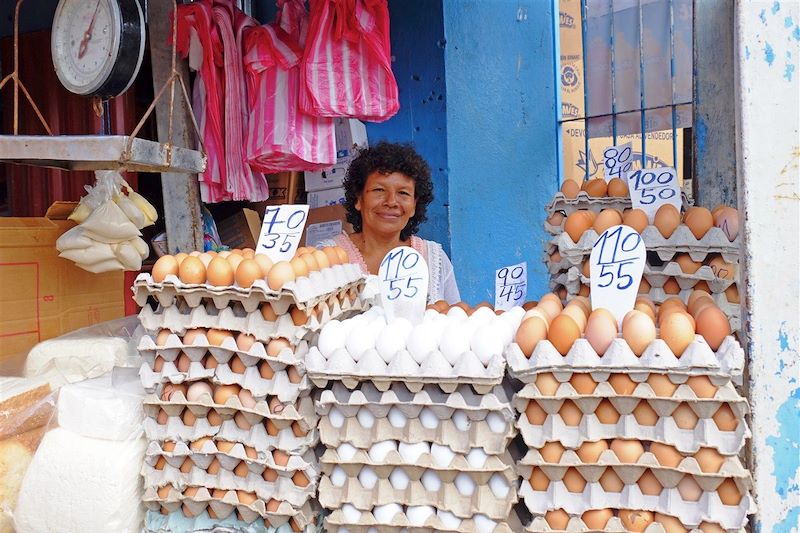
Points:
(231, 420)
(416, 422)
(625, 442)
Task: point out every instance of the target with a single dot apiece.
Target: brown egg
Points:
(241, 469)
(577, 224)
(217, 336)
(293, 375)
(223, 392)
(530, 332)
(161, 338)
(670, 524)
(671, 303)
(589, 452)
(727, 219)
(247, 498)
(699, 221)
(241, 421)
(570, 189)
(192, 271)
(662, 386)
(584, 290)
(646, 309)
(300, 479)
(570, 413)
(330, 253)
(166, 265)
(667, 220)
(300, 267)
(225, 446)
(601, 330)
(713, 325)
(725, 419)
(606, 413)
(618, 188)
(556, 219)
(557, 519)
(536, 415)
(160, 463)
(280, 458)
(272, 429)
(197, 444)
(162, 417)
(275, 346)
(250, 452)
(547, 384)
(214, 467)
(689, 490)
(235, 260)
(275, 405)
(183, 362)
(638, 330)
(308, 259)
(538, 479)
(555, 258)
(709, 460)
(636, 219)
(671, 286)
(649, 484)
(244, 342)
(192, 336)
(584, 303)
(732, 294)
(269, 475)
(684, 417)
(644, 414)
(264, 263)
(622, 384)
(666, 455)
(583, 383)
(576, 313)
(573, 481)
(188, 418)
(677, 330)
(695, 298)
(597, 518)
(644, 287)
(596, 188)
(702, 285)
(298, 431)
(552, 451)
(214, 418)
(299, 317)
(610, 481)
(702, 386)
(266, 370)
(218, 494)
(688, 266)
(209, 362)
(563, 333)
(163, 492)
(220, 273)
(170, 389)
(247, 273)
(627, 450)
(606, 219)
(236, 365)
(549, 307)
(281, 273)
(343, 257)
(268, 313)
(722, 269)
(636, 521)
(708, 527)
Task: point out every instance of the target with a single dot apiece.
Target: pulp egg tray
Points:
(305, 292)
(657, 276)
(180, 317)
(707, 508)
(365, 430)
(403, 368)
(614, 525)
(230, 503)
(424, 519)
(282, 487)
(697, 359)
(705, 434)
(563, 264)
(732, 468)
(383, 461)
(584, 201)
(177, 522)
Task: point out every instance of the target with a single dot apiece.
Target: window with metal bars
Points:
(625, 76)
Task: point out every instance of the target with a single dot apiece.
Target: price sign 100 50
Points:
(653, 187)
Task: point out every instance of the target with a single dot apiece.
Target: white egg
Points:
(384, 513)
(465, 484)
(352, 323)
(461, 420)
(338, 476)
(429, 315)
(346, 451)
(412, 452)
(403, 325)
(379, 450)
(377, 324)
(428, 418)
(351, 514)
(442, 455)
(396, 418)
(486, 343)
(449, 520)
(336, 417)
(514, 316)
(457, 313)
(504, 330)
(418, 514)
(367, 477)
(390, 341)
(331, 338)
(365, 418)
(483, 523)
(455, 341)
(496, 423)
(477, 457)
(359, 341)
(481, 316)
(422, 341)
(499, 486)
(431, 481)
(399, 479)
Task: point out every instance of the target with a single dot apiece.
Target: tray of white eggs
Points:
(396, 518)
(617, 521)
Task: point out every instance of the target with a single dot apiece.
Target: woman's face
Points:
(387, 203)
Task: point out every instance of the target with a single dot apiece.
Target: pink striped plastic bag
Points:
(347, 68)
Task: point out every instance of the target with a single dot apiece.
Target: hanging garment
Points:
(347, 69)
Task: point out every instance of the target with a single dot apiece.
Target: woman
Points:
(387, 192)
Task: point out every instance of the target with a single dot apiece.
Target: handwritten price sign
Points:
(616, 267)
(403, 275)
(511, 286)
(281, 230)
(617, 160)
(653, 187)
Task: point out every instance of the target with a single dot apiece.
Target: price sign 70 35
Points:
(653, 187)
(616, 267)
(281, 230)
(403, 275)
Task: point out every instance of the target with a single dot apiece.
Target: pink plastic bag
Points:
(280, 136)
(347, 69)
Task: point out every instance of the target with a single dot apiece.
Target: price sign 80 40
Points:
(511, 286)
(653, 187)
(616, 265)
(617, 161)
(403, 276)
(281, 230)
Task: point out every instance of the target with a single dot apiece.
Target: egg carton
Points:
(539, 525)
(282, 487)
(584, 201)
(180, 317)
(707, 508)
(562, 265)
(697, 359)
(657, 276)
(402, 368)
(304, 292)
(176, 522)
(230, 503)
(629, 473)
(283, 436)
(479, 434)
(447, 465)
(338, 522)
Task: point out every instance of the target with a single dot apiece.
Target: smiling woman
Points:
(387, 192)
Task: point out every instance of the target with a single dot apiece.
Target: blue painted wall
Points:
(501, 138)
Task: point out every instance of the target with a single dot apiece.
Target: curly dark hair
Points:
(387, 158)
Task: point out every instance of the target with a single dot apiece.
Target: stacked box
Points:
(660, 433)
(416, 422)
(230, 415)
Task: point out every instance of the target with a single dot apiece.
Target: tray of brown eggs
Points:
(594, 194)
(396, 518)
(607, 520)
(249, 278)
(221, 503)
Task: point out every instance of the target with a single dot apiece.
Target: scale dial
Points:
(97, 45)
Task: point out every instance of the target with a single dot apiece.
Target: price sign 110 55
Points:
(281, 230)
(616, 161)
(616, 267)
(653, 187)
(511, 286)
(404, 277)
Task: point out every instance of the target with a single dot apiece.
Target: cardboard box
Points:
(42, 295)
(326, 197)
(331, 178)
(282, 189)
(241, 230)
(325, 223)
(351, 135)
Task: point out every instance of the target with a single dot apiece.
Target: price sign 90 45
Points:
(403, 275)
(616, 267)
(281, 230)
(616, 161)
(653, 187)
(511, 286)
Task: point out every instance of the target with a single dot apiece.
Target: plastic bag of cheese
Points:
(85, 474)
